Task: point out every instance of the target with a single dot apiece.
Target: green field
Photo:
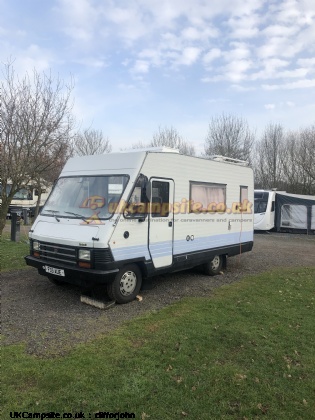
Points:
(12, 253)
(247, 352)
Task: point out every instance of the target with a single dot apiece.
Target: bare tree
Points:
(268, 162)
(169, 137)
(36, 122)
(306, 156)
(230, 136)
(140, 145)
(292, 171)
(91, 142)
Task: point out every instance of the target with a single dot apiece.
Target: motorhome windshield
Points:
(85, 197)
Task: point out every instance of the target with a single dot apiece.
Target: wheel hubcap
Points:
(215, 263)
(128, 283)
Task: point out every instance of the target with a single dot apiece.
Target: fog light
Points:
(84, 254)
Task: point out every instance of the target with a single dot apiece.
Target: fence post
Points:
(25, 217)
(15, 226)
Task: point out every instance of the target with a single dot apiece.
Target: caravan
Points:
(283, 212)
(264, 209)
(122, 217)
(27, 198)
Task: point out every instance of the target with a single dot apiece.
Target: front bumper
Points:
(74, 275)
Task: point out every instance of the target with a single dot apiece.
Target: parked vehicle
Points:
(26, 198)
(119, 218)
(283, 212)
(264, 209)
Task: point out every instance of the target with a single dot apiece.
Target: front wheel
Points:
(126, 285)
(214, 266)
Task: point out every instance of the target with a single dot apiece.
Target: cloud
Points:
(280, 31)
(287, 104)
(241, 42)
(239, 51)
(290, 104)
(246, 26)
(213, 54)
(34, 57)
(79, 18)
(189, 56)
(306, 62)
(196, 34)
(240, 88)
(140, 66)
(300, 84)
(92, 62)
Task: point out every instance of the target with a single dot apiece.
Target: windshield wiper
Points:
(78, 215)
(54, 213)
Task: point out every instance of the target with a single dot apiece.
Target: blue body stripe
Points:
(162, 249)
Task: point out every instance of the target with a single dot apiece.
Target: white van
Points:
(119, 218)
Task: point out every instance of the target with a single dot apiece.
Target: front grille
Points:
(58, 253)
(65, 254)
(102, 256)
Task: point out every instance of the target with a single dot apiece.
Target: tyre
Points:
(126, 285)
(214, 266)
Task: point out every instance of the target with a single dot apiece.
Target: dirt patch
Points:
(50, 320)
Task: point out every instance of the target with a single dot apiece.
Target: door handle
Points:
(170, 224)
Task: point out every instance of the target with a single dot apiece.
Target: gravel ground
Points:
(51, 319)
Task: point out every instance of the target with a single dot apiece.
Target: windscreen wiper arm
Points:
(78, 215)
(54, 213)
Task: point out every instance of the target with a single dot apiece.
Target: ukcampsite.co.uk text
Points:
(80, 415)
(183, 207)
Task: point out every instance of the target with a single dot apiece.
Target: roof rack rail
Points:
(161, 149)
(220, 158)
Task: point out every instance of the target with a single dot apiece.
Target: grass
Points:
(245, 353)
(12, 253)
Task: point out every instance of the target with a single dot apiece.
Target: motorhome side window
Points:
(137, 204)
(160, 199)
(207, 197)
(243, 197)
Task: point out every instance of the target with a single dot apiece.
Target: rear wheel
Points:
(214, 266)
(126, 285)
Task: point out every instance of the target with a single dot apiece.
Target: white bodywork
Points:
(156, 239)
(292, 216)
(265, 220)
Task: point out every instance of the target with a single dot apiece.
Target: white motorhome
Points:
(27, 197)
(119, 218)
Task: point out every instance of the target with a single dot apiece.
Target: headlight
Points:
(35, 246)
(84, 254)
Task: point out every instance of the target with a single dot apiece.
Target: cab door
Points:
(161, 222)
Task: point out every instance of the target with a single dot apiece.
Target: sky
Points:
(138, 65)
